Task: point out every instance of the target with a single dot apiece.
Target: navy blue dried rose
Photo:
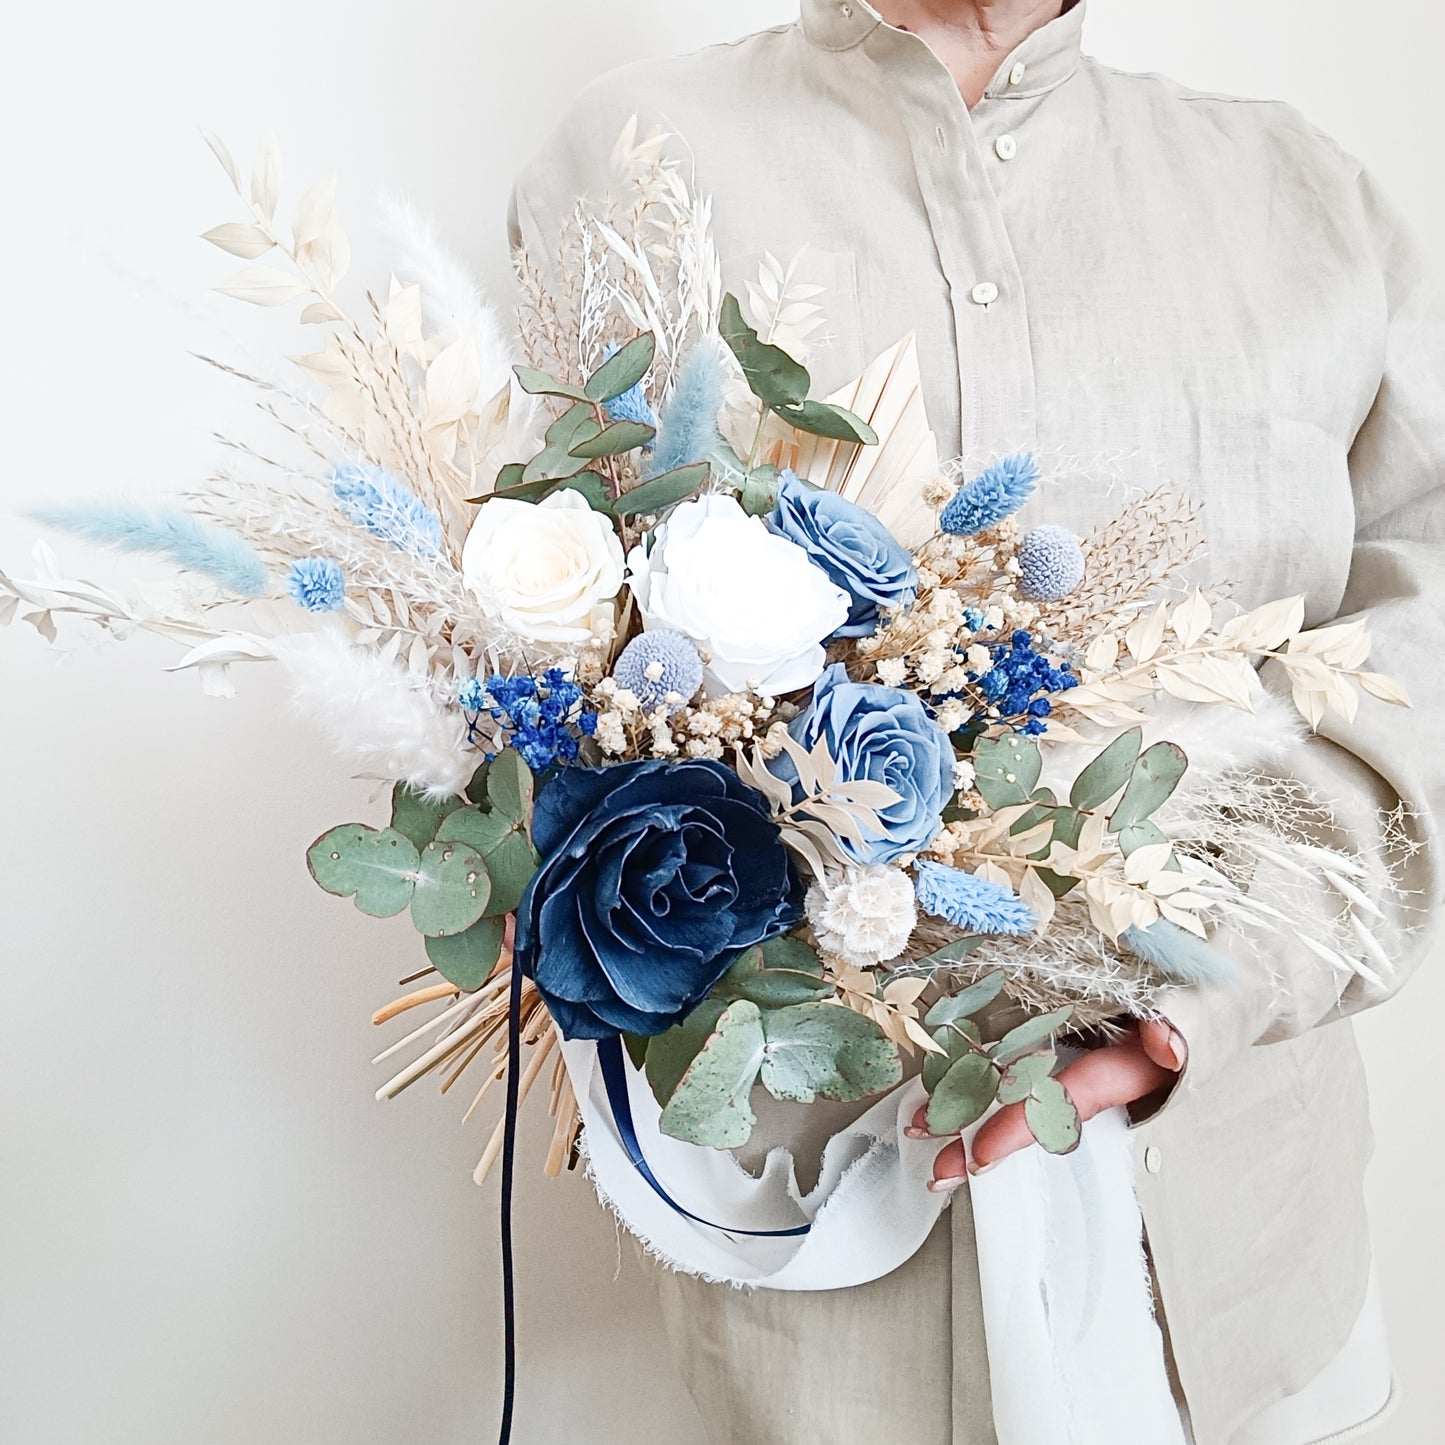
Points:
(655, 877)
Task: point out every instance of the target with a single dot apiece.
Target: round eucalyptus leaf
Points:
(710, 1104)
(1052, 1118)
(452, 889)
(417, 816)
(376, 866)
(467, 959)
(963, 1095)
(820, 1050)
(1021, 1077)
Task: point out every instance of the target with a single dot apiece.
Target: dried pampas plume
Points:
(384, 720)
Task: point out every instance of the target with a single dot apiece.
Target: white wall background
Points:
(209, 1232)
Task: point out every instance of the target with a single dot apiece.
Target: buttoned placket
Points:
(953, 158)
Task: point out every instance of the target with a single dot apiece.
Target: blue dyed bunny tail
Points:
(166, 532)
(1179, 955)
(689, 431)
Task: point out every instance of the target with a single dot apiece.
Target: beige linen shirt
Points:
(1209, 290)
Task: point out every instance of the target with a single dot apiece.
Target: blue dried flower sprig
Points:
(317, 584)
(995, 493)
(372, 499)
(968, 901)
(1017, 687)
(543, 716)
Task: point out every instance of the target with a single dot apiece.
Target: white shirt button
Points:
(846, 11)
(1153, 1159)
(1016, 75)
(984, 293)
(1007, 147)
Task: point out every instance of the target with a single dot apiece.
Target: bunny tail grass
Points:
(689, 430)
(1178, 954)
(167, 532)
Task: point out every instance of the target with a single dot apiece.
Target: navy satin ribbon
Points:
(614, 1079)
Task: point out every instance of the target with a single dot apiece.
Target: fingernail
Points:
(914, 1132)
(1178, 1050)
(947, 1185)
(977, 1169)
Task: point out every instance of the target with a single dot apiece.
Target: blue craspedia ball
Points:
(1051, 563)
(657, 664)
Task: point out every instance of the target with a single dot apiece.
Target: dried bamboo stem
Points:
(529, 1075)
(413, 1000)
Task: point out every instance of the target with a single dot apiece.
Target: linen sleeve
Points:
(1386, 756)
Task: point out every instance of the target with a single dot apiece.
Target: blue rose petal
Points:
(654, 878)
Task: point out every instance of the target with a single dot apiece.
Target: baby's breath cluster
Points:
(709, 728)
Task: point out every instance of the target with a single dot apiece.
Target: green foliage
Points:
(623, 369)
(781, 972)
(504, 847)
(1022, 1075)
(708, 1103)
(376, 866)
(954, 952)
(1153, 780)
(1029, 1035)
(510, 786)
(418, 817)
(1007, 769)
(967, 1002)
(451, 889)
(660, 492)
(963, 1094)
(822, 1050)
(782, 384)
(538, 383)
(615, 440)
(1052, 1118)
(557, 461)
(467, 959)
(1108, 772)
(956, 1040)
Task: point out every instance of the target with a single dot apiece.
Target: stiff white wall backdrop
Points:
(208, 1229)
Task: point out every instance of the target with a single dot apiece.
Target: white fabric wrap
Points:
(1075, 1354)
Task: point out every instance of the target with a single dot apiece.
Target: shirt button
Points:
(846, 11)
(1016, 75)
(984, 293)
(1007, 147)
(1153, 1159)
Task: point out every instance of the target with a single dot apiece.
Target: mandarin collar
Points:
(1044, 60)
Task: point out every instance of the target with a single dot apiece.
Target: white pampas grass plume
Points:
(452, 303)
(380, 718)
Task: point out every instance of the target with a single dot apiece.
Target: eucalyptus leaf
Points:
(956, 1040)
(419, 817)
(538, 383)
(467, 959)
(636, 1047)
(452, 889)
(793, 976)
(509, 786)
(660, 492)
(615, 440)
(477, 787)
(669, 1054)
(623, 369)
(475, 827)
(1052, 1118)
(963, 1095)
(758, 492)
(588, 483)
(376, 866)
(1108, 772)
(771, 374)
(968, 1001)
(1140, 835)
(556, 460)
(1007, 769)
(824, 419)
(822, 1050)
(709, 1105)
(1030, 1035)
(1021, 1076)
(512, 864)
(1155, 776)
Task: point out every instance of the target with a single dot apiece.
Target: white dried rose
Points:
(754, 603)
(863, 915)
(548, 571)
